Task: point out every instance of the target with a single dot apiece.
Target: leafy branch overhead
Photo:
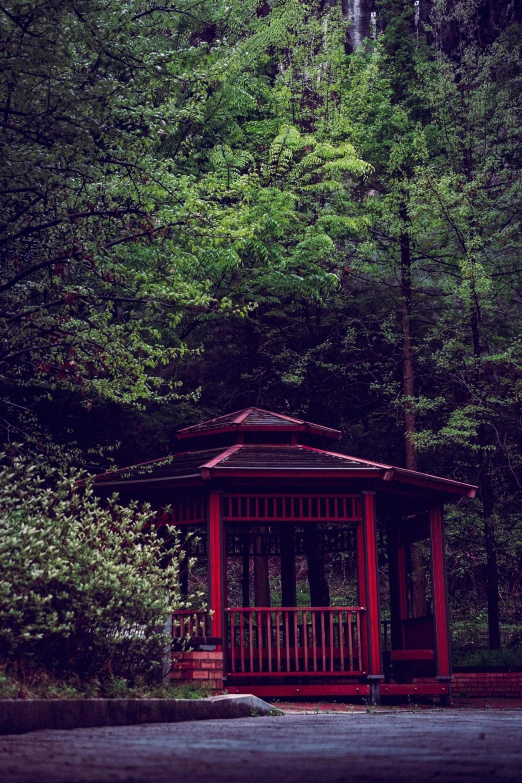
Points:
(208, 205)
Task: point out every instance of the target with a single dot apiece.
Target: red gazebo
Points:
(262, 489)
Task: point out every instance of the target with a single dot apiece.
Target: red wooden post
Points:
(362, 636)
(216, 564)
(373, 621)
(440, 607)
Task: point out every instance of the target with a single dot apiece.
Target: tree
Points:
(101, 220)
(470, 197)
(339, 232)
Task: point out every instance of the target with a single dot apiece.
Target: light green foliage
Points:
(158, 166)
(353, 158)
(85, 587)
(104, 223)
(225, 175)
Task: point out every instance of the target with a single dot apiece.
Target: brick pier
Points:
(204, 667)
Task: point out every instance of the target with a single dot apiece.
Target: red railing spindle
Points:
(296, 642)
(314, 641)
(233, 641)
(268, 616)
(323, 642)
(350, 639)
(287, 642)
(251, 640)
(341, 639)
(259, 620)
(278, 639)
(358, 638)
(242, 639)
(331, 641)
(305, 638)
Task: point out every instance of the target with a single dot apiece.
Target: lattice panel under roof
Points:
(295, 508)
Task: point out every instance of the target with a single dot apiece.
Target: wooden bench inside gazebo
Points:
(264, 488)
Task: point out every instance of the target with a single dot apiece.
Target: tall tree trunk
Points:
(288, 587)
(408, 372)
(488, 502)
(418, 577)
(490, 545)
(314, 546)
(261, 575)
(245, 576)
(251, 356)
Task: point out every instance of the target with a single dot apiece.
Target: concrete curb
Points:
(18, 716)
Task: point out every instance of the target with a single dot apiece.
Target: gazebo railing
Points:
(285, 641)
(190, 623)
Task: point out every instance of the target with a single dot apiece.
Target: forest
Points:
(211, 204)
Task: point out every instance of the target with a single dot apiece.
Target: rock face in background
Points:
(362, 15)
(492, 16)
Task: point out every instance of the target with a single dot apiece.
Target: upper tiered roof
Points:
(255, 420)
(267, 460)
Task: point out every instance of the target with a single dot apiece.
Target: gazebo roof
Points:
(268, 461)
(255, 420)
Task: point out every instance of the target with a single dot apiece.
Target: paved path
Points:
(422, 746)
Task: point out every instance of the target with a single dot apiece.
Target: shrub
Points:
(85, 586)
(39, 685)
(509, 656)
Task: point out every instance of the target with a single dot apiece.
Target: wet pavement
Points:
(392, 745)
(303, 707)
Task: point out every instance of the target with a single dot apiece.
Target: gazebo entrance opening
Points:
(292, 603)
(291, 564)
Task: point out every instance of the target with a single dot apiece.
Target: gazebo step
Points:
(412, 689)
(335, 690)
(285, 691)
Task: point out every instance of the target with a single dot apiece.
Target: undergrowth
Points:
(40, 685)
(508, 656)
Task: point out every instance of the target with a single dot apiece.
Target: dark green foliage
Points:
(509, 657)
(230, 208)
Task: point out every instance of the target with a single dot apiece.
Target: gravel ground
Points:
(459, 703)
(468, 745)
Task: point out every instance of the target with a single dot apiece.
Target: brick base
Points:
(206, 669)
(493, 684)
(202, 667)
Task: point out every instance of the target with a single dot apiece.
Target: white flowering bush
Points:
(85, 585)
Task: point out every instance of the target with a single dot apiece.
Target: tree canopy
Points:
(212, 204)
